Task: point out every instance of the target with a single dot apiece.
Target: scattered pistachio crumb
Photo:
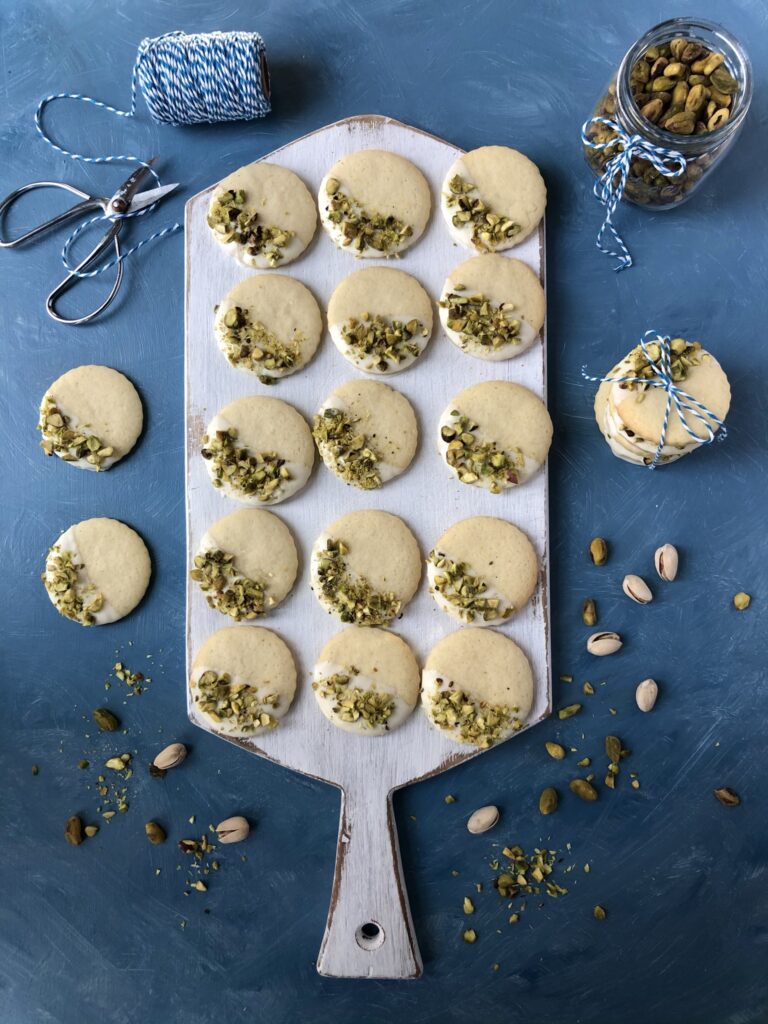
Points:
(468, 906)
(741, 601)
(35, 770)
(470, 935)
(588, 688)
(566, 679)
(450, 798)
(599, 913)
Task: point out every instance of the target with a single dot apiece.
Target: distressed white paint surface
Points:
(368, 885)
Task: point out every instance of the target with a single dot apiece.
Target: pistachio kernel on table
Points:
(260, 475)
(72, 597)
(155, 833)
(235, 704)
(363, 229)
(478, 320)
(548, 801)
(353, 598)
(233, 221)
(352, 703)
(477, 722)
(387, 341)
(741, 601)
(489, 229)
(226, 589)
(589, 612)
(474, 460)
(598, 551)
(252, 347)
(468, 594)
(353, 459)
(106, 720)
(68, 443)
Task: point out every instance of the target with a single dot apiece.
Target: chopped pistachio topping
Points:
(473, 459)
(72, 597)
(235, 703)
(387, 342)
(352, 457)
(232, 221)
(364, 229)
(528, 875)
(226, 589)
(478, 321)
(477, 722)
(353, 598)
(489, 229)
(252, 347)
(353, 704)
(683, 355)
(258, 475)
(467, 593)
(71, 445)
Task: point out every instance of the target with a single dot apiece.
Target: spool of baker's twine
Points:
(202, 78)
(685, 404)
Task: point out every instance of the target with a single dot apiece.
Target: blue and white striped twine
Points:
(184, 79)
(609, 188)
(685, 404)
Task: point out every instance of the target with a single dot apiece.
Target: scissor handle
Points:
(111, 237)
(89, 203)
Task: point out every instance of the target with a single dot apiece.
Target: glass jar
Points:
(626, 97)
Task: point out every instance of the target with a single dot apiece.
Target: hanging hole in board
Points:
(369, 936)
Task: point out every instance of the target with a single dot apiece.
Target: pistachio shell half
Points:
(483, 819)
(601, 644)
(646, 694)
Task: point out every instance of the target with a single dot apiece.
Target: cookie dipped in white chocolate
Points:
(366, 681)
(380, 319)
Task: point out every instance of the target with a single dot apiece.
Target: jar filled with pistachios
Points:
(685, 86)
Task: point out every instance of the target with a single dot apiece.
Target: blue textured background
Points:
(92, 934)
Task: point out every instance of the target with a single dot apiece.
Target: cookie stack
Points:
(664, 399)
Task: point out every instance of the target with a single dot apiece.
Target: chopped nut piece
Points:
(353, 704)
(233, 221)
(226, 589)
(489, 229)
(354, 599)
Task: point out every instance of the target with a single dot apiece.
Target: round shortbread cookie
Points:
(246, 563)
(365, 567)
(366, 681)
(90, 417)
(477, 687)
(258, 450)
(263, 215)
(492, 198)
(243, 680)
(380, 319)
(97, 571)
(366, 433)
(495, 435)
(374, 203)
(482, 571)
(492, 307)
(269, 325)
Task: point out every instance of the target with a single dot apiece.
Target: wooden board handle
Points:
(369, 932)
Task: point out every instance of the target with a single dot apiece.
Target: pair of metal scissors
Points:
(115, 209)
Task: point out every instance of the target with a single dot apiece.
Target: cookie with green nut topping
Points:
(97, 571)
(269, 325)
(380, 319)
(366, 433)
(90, 417)
(477, 687)
(495, 435)
(365, 568)
(482, 571)
(243, 681)
(374, 203)
(258, 450)
(492, 307)
(492, 198)
(246, 564)
(263, 215)
(366, 681)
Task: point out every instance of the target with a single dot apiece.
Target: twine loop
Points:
(685, 404)
(609, 188)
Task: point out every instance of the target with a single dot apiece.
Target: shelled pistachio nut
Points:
(598, 551)
(646, 694)
(483, 819)
(589, 612)
(233, 830)
(601, 644)
(548, 801)
(666, 560)
(637, 589)
(555, 750)
(741, 601)
(170, 756)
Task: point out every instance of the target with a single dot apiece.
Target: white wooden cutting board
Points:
(368, 886)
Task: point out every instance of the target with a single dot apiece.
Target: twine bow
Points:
(685, 404)
(609, 188)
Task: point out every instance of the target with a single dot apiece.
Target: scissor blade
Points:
(152, 195)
